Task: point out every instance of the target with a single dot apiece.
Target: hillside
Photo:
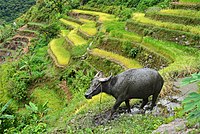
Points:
(48, 60)
(12, 9)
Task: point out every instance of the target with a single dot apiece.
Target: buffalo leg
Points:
(155, 96)
(117, 104)
(128, 105)
(144, 102)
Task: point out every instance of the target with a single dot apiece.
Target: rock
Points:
(177, 126)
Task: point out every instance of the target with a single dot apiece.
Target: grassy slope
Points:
(185, 58)
(72, 35)
(127, 63)
(79, 106)
(76, 39)
(64, 33)
(46, 94)
(181, 12)
(188, 1)
(62, 55)
(117, 29)
(139, 17)
(89, 28)
(102, 16)
(70, 23)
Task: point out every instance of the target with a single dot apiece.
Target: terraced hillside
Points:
(12, 48)
(147, 40)
(167, 40)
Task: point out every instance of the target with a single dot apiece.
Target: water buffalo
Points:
(133, 83)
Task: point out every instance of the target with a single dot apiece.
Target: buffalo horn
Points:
(99, 74)
(105, 79)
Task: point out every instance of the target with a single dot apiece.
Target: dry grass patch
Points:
(125, 62)
(57, 46)
(70, 23)
(102, 16)
(64, 33)
(181, 12)
(89, 28)
(77, 40)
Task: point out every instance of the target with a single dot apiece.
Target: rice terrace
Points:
(68, 66)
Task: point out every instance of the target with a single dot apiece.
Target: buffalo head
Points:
(96, 85)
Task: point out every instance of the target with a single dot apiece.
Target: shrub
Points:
(130, 50)
(145, 4)
(125, 14)
(6, 117)
(191, 104)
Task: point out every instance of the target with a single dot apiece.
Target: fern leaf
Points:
(6, 106)
(33, 107)
(192, 106)
(195, 77)
(195, 114)
(6, 116)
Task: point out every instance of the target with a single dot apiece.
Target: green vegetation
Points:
(127, 63)
(46, 94)
(195, 1)
(117, 29)
(185, 59)
(191, 104)
(139, 17)
(89, 28)
(76, 39)
(12, 9)
(70, 23)
(64, 33)
(49, 99)
(181, 12)
(102, 16)
(57, 47)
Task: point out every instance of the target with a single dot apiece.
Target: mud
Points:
(165, 106)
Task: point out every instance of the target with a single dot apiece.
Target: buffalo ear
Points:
(105, 79)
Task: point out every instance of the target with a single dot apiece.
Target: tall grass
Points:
(184, 58)
(117, 29)
(102, 16)
(127, 63)
(45, 94)
(70, 23)
(139, 17)
(76, 39)
(89, 28)
(64, 33)
(181, 12)
(59, 51)
(85, 20)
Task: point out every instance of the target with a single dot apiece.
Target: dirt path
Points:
(178, 126)
(64, 87)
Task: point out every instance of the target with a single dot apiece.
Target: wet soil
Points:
(165, 106)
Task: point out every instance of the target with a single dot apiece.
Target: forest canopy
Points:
(12, 9)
